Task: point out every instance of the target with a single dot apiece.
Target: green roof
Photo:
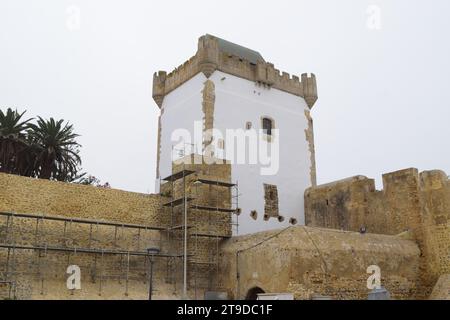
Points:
(237, 50)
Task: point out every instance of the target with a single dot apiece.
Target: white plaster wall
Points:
(180, 109)
(237, 102)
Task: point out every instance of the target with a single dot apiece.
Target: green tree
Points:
(54, 150)
(13, 142)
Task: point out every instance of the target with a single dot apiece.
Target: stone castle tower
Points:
(227, 102)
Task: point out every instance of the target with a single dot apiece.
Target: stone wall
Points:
(312, 261)
(354, 203)
(441, 290)
(435, 213)
(417, 206)
(27, 195)
(207, 227)
(306, 261)
(116, 266)
(41, 273)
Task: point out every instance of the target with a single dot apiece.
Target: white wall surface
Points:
(237, 102)
(182, 107)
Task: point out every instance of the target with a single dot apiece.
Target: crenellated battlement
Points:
(309, 85)
(210, 57)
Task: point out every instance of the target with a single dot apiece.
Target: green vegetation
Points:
(39, 148)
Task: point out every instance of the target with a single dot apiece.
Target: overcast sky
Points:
(384, 92)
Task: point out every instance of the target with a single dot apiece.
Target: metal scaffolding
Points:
(187, 213)
(189, 240)
(8, 242)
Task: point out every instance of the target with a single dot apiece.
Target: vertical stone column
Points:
(209, 99)
(309, 133)
(158, 151)
(159, 88)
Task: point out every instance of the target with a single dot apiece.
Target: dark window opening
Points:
(252, 294)
(267, 126)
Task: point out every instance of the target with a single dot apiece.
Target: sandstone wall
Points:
(311, 261)
(41, 274)
(355, 203)
(27, 195)
(207, 228)
(412, 204)
(441, 290)
(122, 271)
(302, 260)
(435, 237)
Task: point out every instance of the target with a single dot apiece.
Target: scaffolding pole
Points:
(86, 250)
(185, 238)
(82, 221)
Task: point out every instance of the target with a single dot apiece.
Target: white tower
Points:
(228, 92)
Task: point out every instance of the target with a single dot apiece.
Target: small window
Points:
(248, 125)
(267, 126)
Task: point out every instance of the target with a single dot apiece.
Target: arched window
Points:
(252, 294)
(267, 125)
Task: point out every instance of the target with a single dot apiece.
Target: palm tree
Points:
(12, 141)
(55, 150)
